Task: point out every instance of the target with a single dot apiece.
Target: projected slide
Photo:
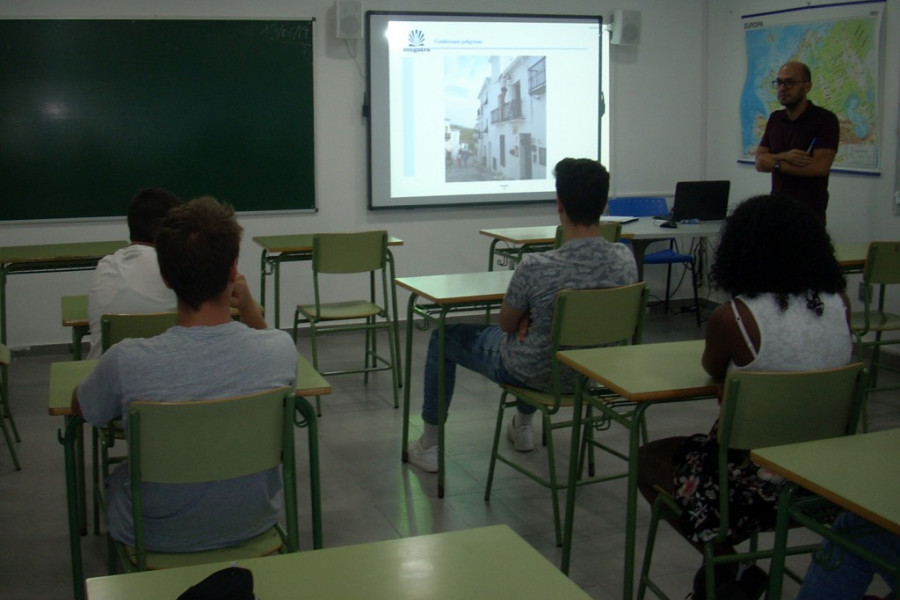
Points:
(478, 109)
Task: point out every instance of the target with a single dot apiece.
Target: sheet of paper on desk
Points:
(623, 220)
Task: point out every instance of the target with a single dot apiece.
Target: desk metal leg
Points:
(577, 409)
(442, 401)
(494, 243)
(633, 422)
(394, 313)
(407, 374)
(72, 429)
(311, 424)
(779, 545)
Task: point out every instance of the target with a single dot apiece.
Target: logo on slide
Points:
(416, 38)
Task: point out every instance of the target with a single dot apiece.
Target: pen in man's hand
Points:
(811, 144)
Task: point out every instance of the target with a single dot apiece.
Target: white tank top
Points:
(796, 339)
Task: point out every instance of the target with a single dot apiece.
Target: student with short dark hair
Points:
(206, 355)
(517, 352)
(128, 280)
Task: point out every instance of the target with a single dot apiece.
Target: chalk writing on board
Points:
(288, 33)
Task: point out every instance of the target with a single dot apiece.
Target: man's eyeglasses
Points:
(788, 83)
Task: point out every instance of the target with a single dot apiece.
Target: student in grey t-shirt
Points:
(206, 356)
(517, 352)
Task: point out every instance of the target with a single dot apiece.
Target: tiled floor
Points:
(368, 494)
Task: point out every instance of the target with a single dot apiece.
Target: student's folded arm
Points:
(511, 317)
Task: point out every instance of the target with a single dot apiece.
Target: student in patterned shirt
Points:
(517, 351)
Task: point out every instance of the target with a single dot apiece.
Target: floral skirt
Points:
(752, 491)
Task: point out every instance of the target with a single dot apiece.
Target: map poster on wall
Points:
(840, 44)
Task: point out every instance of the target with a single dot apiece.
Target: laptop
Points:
(701, 200)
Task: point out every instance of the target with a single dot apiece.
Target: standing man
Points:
(800, 141)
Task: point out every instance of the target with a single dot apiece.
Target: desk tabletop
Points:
(859, 473)
(646, 372)
(639, 229)
(458, 288)
(488, 562)
(299, 242)
(65, 377)
(53, 252)
(541, 234)
(645, 229)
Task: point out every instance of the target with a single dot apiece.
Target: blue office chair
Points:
(652, 206)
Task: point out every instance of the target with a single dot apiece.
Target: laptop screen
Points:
(701, 200)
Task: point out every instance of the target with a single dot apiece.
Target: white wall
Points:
(674, 117)
(437, 240)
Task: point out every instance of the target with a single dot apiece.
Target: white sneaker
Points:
(522, 436)
(425, 459)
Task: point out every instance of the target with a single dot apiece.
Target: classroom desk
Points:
(444, 294)
(277, 249)
(46, 258)
(519, 241)
(851, 256)
(859, 473)
(644, 374)
(641, 233)
(65, 377)
(487, 562)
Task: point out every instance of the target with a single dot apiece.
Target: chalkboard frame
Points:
(95, 109)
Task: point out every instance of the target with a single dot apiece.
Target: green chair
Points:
(758, 410)
(882, 269)
(116, 327)
(5, 413)
(113, 329)
(611, 232)
(223, 439)
(341, 254)
(582, 318)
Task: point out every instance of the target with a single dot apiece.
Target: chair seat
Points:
(538, 398)
(878, 321)
(268, 542)
(333, 311)
(667, 256)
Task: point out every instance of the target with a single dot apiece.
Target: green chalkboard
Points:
(91, 111)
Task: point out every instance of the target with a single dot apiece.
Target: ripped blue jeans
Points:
(473, 346)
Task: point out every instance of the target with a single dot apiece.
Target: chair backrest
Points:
(882, 263)
(212, 440)
(638, 206)
(770, 409)
(611, 232)
(116, 327)
(349, 252)
(223, 439)
(599, 316)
